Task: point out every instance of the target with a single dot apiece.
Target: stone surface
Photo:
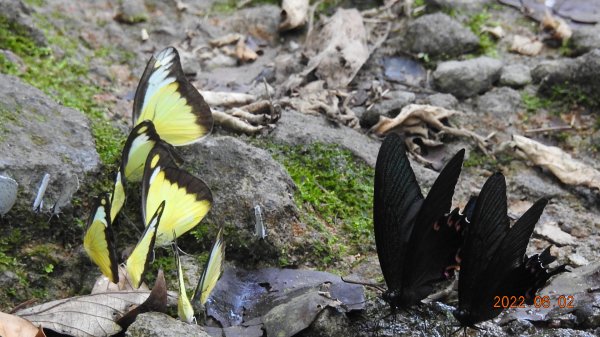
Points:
(515, 75)
(460, 5)
(467, 78)
(132, 11)
(388, 106)
(446, 101)
(499, 101)
(581, 74)
(156, 324)
(39, 136)
(242, 176)
(16, 12)
(585, 38)
(439, 35)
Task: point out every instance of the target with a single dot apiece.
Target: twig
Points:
(550, 128)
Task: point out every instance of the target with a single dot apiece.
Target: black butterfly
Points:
(417, 238)
(493, 256)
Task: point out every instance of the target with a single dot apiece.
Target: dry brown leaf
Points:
(243, 53)
(85, 316)
(227, 39)
(15, 326)
(228, 99)
(526, 46)
(294, 14)
(103, 284)
(338, 50)
(558, 27)
(157, 301)
(560, 163)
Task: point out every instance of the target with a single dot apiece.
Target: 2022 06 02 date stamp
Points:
(545, 301)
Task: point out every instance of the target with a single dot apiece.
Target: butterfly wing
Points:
(397, 199)
(98, 240)
(140, 141)
(184, 307)
(171, 102)
(212, 271)
(187, 197)
(137, 263)
(484, 235)
(434, 241)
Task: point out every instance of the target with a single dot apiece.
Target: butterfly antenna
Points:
(366, 284)
(131, 223)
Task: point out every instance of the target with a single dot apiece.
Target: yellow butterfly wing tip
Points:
(137, 261)
(97, 241)
(118, 197)
(184, 307)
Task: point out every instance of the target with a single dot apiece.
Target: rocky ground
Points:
(70, 69)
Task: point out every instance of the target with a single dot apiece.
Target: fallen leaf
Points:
(243, 53)
(526, 46)
(294, 14)
(157, 301)
(551, 232)
(558, 28)
(15, 326)
(560, 163)
(226, 39)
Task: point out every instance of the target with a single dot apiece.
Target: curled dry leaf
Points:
(92, 315)
(526, 46)
(293, 14)
(560, 163)
(227, 99)
(243, 53)
(424, 125)
(227, 39)
(559, 29)
(15, 326)
(156, 301)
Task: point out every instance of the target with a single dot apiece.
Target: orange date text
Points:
(562, 301)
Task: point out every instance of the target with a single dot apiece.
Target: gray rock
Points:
(390, 105)
(132, 11)
(439, 35)
(467, 78)
(329, 323)
(18, 14)
(242, 176)
(515, 75)
(39, 136)
(500, 102)
(8, 194)
(585, 38)
(446, 101)
(581, 74)
(221, 60)
(156, 324)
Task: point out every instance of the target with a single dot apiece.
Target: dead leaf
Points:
(551, 232)
(294, 14)
(15, 326)
(227, 39)
(338, 50)
(558, 28)
(285, 301)
(243, 53)
(103, 284)
(228, 99)
(560, 163)
(157, 301)
(526, 46)
(497, 31)
(424, 125)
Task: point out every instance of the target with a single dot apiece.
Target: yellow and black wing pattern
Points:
(141, 140)
(187, 197)
(138, 261)
(184, 307)
(117, 198)
(212, 271)
(98, 240)
(171, 102)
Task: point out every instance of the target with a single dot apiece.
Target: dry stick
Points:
(551, 128)
(372, 285)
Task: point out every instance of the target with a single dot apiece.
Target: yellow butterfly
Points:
(212, 271)
(188, 199)
(211, 274)
(138, 261)
(166, 107)
(98, 240)
(164, 96)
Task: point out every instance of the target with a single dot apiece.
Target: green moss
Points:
(37, 3)
(335, 194)
(477, 158)
(64, 78)
(477, 22)
(228, 6)
(533, 103)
